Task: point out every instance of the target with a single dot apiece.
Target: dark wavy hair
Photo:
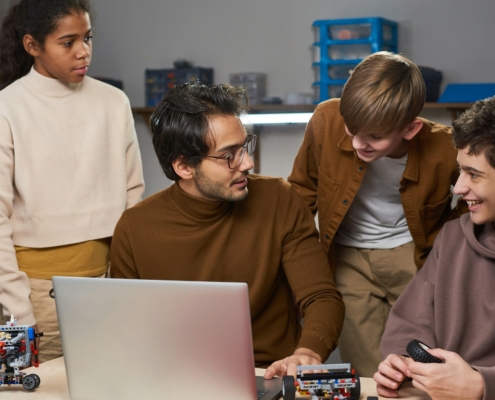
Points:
(38, 18)
(180, 122)
(475, 129)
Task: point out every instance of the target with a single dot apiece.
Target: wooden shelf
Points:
(455, 110)
(448, 106)
(146, 112)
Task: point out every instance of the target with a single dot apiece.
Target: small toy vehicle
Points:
(337, 382)
(17, 345)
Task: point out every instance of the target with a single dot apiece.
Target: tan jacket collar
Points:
(346, 143)
(411, 171)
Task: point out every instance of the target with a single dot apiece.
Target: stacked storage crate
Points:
(160, 81)
(253, 82)
(342, 44)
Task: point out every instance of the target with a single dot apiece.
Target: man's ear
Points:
(412, 129)
(31, 45)
(181, 168)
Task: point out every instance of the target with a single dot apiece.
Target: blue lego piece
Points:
(31, 333)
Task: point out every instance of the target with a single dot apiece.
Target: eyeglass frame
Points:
(244, 146)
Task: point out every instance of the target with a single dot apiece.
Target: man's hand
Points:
(391, 373)
(287, 366)
(454, 379)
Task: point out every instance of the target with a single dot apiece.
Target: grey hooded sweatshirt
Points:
(450, 304)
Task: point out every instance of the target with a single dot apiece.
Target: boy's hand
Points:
(454, 379)
(391, 373)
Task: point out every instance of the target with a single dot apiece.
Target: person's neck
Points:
(189, 186)
(401, 151)
(49, 87)
(198, 208)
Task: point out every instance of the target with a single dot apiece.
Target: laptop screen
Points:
(131, 339)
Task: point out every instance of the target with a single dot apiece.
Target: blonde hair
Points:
(384, 93)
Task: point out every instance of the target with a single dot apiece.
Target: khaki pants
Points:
(370, 282)
(45, 313)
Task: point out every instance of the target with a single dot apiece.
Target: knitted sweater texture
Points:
(69, 166)
(268, 240)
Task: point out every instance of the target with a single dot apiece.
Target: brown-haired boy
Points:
(450, 303)
(379, 178)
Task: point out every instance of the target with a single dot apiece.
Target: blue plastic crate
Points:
(376, 31)
(467, 92)
(347, 42)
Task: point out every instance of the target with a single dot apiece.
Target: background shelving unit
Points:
(160, 81)
(341, 44)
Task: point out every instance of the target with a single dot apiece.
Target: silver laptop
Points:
(142, 339)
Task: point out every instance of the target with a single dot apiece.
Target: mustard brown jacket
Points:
(327, 173)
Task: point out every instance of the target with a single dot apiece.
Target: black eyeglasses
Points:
(235, 156)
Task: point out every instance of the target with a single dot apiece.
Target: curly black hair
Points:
(38, 18)
(475, 129)
(180, 122)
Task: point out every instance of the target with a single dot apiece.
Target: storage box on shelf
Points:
(467, 92)
(341, 44)
(433, 80)
(253, 82)
(160, 81)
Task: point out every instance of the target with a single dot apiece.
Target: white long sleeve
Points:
(69, 166)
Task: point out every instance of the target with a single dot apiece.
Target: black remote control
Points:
(417, 351)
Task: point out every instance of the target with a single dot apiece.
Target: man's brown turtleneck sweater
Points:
(268, 240)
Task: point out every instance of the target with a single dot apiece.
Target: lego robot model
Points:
(336, 382)
(17, 346)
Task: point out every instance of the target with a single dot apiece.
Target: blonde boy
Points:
(380, 179)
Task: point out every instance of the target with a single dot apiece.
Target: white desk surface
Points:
(54, 385)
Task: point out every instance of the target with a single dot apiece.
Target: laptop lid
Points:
(130, 339)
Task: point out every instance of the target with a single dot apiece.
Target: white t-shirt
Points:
(376, 219)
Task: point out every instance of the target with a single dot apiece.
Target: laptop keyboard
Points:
(261, 393)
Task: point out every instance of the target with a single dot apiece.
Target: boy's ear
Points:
(182, 169)
(31, 45)
(412, 129)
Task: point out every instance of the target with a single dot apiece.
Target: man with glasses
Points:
(218, 223)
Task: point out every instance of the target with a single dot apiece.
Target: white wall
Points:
(275, 37)
(4, 6)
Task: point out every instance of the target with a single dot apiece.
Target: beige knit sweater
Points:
(69, 166)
